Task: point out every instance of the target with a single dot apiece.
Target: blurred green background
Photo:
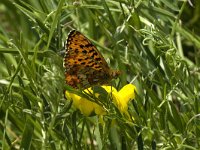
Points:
(156, 44)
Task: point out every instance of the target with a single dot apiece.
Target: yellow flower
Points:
(120, 99)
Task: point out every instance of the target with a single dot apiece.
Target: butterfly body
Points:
(83, 63)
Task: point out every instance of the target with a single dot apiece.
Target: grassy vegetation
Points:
(154, 43)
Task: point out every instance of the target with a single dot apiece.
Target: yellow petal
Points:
(75, 98)
(122, 98)
(127, 92)
(85, 106)
(109, 89)
(99, 110)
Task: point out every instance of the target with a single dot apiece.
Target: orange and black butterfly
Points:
(84, 65)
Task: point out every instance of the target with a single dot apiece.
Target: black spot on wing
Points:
(84, 51)
(97, 59)
(94, 54)
(82, 46)
(83, 63)
(76, 51)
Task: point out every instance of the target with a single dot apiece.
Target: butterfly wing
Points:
(84, 65)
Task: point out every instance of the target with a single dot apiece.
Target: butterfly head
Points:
(115, 73)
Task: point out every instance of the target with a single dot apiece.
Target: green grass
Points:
(154, 43)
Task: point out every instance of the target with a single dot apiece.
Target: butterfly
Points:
(84, 65)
